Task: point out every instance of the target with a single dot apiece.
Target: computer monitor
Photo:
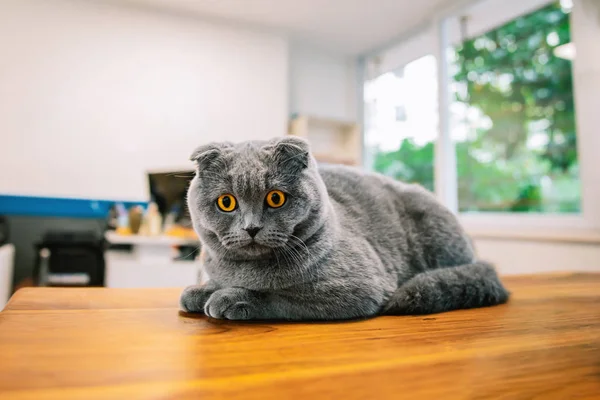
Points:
(168, 190)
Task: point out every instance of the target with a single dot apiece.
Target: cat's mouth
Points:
(255, 248)
(254, 245)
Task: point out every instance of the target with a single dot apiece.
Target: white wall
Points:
(527, 256)
(92, 96)
(322, 84)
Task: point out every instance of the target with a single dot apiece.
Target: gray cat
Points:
(285, 239)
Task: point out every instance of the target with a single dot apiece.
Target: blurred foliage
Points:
(513, 77)
(410, 163)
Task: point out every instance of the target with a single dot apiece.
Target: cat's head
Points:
(250, 199)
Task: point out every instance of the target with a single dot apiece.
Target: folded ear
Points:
(207, 154)
(291, 153)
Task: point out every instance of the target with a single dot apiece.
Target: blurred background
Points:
(490, 104)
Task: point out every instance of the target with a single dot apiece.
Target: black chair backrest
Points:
(74, 252)
(3, 230)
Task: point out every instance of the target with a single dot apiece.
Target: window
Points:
(512, 116)
(402, 121)
(511, 140)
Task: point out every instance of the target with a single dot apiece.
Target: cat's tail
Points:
(444, 289)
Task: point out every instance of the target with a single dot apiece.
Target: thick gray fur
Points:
(346, 244)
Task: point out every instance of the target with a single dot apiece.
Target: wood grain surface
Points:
(134, 344)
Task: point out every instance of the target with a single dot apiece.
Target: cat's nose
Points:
(253, 230)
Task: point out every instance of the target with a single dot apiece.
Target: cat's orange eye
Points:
(226, 202)
(275, 198)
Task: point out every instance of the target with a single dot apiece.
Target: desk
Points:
(133, 344)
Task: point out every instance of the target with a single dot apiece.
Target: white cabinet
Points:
(7, 261)
(149, 264)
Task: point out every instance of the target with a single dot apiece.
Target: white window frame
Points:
(432, 38)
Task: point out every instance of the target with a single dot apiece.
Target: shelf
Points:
(115, 238)
(326, 158)
(331, 140)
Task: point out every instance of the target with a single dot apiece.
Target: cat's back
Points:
(392, 215)
(371, 199)
(347, 185)
(367, 197)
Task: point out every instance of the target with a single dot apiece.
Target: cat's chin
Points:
(254, 251)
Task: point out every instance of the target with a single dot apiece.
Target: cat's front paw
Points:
(230, 303)
(194, 298)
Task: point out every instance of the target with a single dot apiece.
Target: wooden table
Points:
(134, 344)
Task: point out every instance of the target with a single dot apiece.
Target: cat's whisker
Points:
(302, 243)
(284, 253)
(301, 260)
(193, 251)
(298, 262)
(277, 258)
(299, 256)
